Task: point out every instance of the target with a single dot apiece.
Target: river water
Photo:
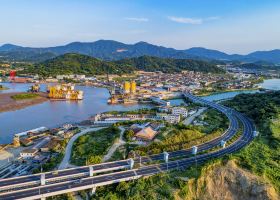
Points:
(54, 113)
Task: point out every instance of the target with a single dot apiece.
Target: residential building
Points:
(173, 119)
(180, 111)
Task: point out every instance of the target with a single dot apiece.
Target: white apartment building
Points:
(173, 119)
(180, 111)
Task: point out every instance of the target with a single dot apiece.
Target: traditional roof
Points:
(146, 133)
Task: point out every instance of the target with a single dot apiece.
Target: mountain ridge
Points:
(114, 50)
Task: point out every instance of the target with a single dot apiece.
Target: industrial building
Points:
(65, 91)
(129, 87)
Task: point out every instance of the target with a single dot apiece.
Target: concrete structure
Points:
(179, 111)
(28, 153)
(223, 143)
(159, 101)
(173, 119)
(166, 156)
(194, 150)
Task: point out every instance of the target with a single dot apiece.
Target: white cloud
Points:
(186, 20)
(137, 19)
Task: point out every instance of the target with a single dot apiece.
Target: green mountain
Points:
(75, 64)
(80, 64)
(149, 63)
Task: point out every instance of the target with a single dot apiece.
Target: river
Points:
(54, 113)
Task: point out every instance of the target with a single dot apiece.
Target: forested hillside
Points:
(81, 64)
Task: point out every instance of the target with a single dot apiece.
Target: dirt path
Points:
(9, 104)
(114, 147)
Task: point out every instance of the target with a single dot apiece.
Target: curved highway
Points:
(90, 182)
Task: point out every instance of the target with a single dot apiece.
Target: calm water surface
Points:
(54, 113)
(271, 84)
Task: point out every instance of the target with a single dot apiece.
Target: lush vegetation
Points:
(181, 138)
(81, 64)
(262, 156)
(148, 63)
(171, 186)
(75, 64)
(90, 148)
(214, 120)
(24, 96)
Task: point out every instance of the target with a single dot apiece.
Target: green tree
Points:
(128, 135)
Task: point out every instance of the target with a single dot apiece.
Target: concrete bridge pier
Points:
(194, 150)
(43, 198)
(90, 171)
(166, 155)
(131, 163)
(43, 179)
(92, 191)
(223, 143)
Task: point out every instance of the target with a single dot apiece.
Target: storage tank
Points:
(133, 87)
(126, 87)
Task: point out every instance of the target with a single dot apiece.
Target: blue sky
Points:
(233, 26)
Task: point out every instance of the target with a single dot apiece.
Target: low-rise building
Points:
(26, 142)
(180, 111)
(146, 134)
(173, 119)
(28, 153)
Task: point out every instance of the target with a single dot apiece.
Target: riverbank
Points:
(3, 88)
(225, 91)
(8, 102)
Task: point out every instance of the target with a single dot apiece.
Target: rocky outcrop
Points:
(230, 182)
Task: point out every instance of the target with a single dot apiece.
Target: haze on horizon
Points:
(231, 26)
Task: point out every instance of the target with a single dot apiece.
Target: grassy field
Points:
(24, 96)
(90, 148)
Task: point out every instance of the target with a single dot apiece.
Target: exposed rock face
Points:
(230, 182)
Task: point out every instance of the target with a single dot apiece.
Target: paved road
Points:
(190, 119)
(89, 182)
(68, 151)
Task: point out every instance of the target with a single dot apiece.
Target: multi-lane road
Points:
(64, 181)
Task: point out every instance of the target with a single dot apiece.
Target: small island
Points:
(19, 100)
